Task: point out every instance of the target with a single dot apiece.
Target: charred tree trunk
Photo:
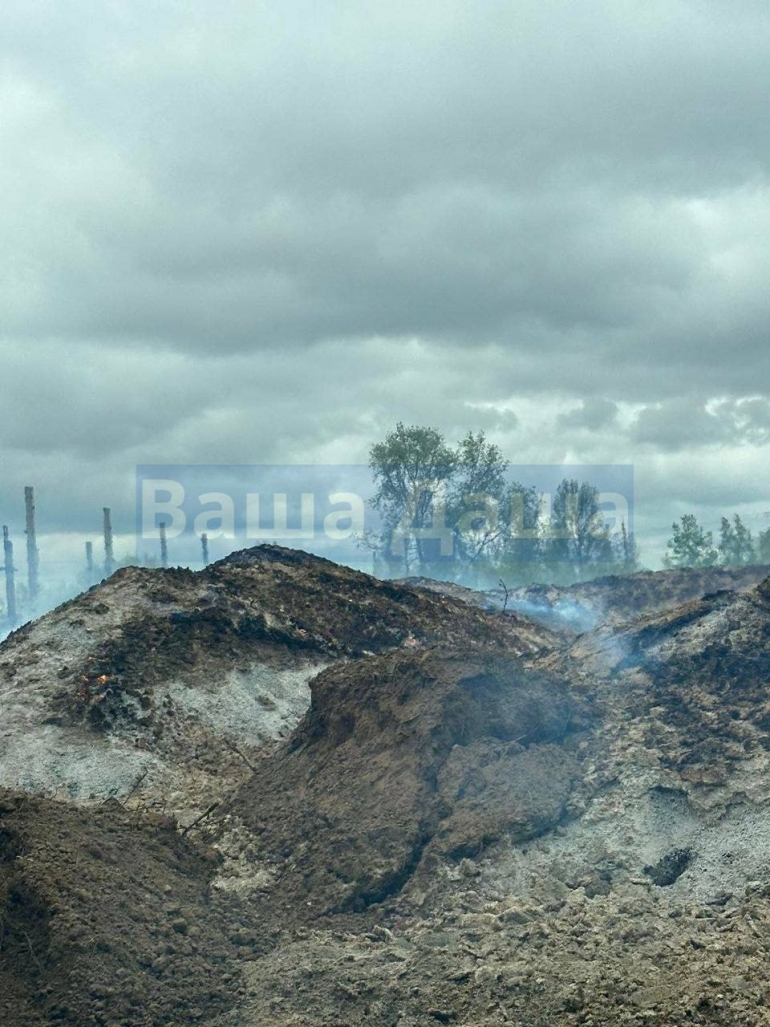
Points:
(90, 562)
(163, 547)
(32, 554)
(10, 579)
(205, 548)
(109, 558)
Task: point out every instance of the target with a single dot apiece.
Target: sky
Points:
(252, 232)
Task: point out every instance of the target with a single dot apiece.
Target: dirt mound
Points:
(624, 959)
(109, 917)
(404, 759)
(698, 678)
(487, 600)
(179, 681)
(616, 874)
(618, 598)
(469, 825)
(269, 552)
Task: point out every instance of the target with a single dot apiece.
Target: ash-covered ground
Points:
(281, 792)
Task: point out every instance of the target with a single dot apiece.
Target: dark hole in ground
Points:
(670, 867)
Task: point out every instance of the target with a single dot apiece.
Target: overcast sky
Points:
(250, 232)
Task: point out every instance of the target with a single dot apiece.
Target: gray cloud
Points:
(593, 414)
(257, 232)
(681, 423)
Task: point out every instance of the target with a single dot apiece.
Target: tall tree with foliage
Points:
(690, 545)
(577, 536)
(484, 511)
(452, 511)
(736, 543)
(411, 468)
(521, 553)
(438, 501)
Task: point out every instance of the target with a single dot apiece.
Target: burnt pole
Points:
(109, 558)
(90, 562)
(10, 578)
(32, 554)
(163, 546)
(205, 548)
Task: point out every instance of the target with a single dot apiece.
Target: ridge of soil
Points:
(171, 684)
(468, 820)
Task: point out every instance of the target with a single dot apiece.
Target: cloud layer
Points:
(253, 232)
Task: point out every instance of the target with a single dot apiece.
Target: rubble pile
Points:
(619, 598)
(405, 761)
(107, 916)
(469, 819)
(171, 684)
(644, 900)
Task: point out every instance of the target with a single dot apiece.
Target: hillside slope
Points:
(468, 822)
(171, 683)
(610, 867)
(619, 598)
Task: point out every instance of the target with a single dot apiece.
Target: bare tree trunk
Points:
(32, 554)
(205, 548)
(163, 547)
(90, 562)
(109, 559)
(10, 579)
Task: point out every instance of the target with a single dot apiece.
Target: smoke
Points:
(549, 608)
(53, 593)
(561, 614)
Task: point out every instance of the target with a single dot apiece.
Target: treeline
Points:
(452, 512)
(691, 545)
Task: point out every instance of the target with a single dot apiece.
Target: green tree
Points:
(476, 508)
(736, 543)
(494, 521)
(521, 554)
(444, 508)
(577, 537)
(451, 511)
(412, 469)
(690, 545)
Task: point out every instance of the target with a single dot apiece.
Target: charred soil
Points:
(449, 815)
